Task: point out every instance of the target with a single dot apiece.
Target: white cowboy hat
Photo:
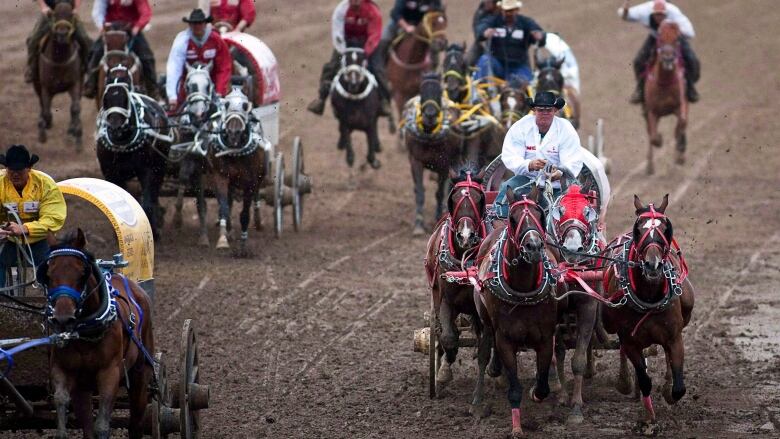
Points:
(510, 4)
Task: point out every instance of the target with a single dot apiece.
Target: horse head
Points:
(200, 91)
(63, 25)
(513, 100)
(354, 67)
(455, 70)
(70, 278)
(466, 206)
(235, 118)
(527, 234)
(550, 76)
(431, 114)
(668, 51)
(652, 238)
(116, 105)
(574, 223)
(433, 30)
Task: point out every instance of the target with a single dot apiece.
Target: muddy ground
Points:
(312, 336)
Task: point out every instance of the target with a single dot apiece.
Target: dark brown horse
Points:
(133, 141)
(551, 79)
(59, 71)
(427, 137)
(513, 102)
(457, 81)
(106, 355)
(452, 247)
(665, 92)
(650, 277)
(516, 301)
(116, 51)
(411, 55)
(237, 163)
(355, 100)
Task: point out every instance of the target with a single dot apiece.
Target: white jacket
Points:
(559, 49)
(641, 14)
(337, 26)
(560, 147)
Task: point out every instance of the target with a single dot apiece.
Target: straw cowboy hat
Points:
(510, 4)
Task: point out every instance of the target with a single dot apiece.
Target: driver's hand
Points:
(536, 164)
(14, 229)
(489, 33)
(556, 175)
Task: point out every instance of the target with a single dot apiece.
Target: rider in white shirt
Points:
(539, 141)
(558, 49)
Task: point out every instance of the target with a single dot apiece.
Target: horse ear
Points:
(664, 204)
(81, 241)
(559, 63)
(638, 203)
(189, 67)
(510, 196)
(453, 174)
(534, 194)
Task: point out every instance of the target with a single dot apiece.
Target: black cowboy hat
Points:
(547, 99)
(17, 158)
(197, 16)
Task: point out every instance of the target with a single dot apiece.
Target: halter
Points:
(525, 203)
(236, 104)
(465, 186)
(654, 220)
(588, 230)
(353, 68)
(199, 96)
(63, 290)
(429, 35)
(63, 22)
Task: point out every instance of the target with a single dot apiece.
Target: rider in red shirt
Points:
(240, 14)
(198, 44)
(355, 23)
(135, 14)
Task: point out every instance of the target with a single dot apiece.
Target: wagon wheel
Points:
(278, 193)
(433, 353)
(189, 374)
(297, 190)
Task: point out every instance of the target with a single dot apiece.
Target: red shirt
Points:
(233, 11)
(214, 49)
(136, 12)
(363, 25)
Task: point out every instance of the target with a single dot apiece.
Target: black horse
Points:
(356, 103)
(456, 73)
(133, 140)
(550, 79)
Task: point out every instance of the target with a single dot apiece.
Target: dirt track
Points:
(312, 337)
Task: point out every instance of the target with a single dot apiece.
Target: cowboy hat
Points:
(510, 4)
(546, 99)
(17, 158)
(197, 16)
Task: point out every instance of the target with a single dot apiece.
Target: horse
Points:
(451, 247)
(59, 71)
(665, 92)
(573, 230)
(196, 112)
(116, 51)
(238, 160)
(457, 81)
(513, 102)
(427, 137)
(133, 140)
(650, 280)
(112, 316)
(515, 300)
(411, 55)
(356, 102)
(549, 78)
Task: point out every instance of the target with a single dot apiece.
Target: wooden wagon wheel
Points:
(278, 189)
(189, 375)
(297, 179)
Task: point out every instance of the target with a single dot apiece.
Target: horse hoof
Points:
(480, 411)
(375, 164)
(203, 241)
(575, 417)
(647, 428)
(517, 433)
(222, 242)
(658, 141)
(445, 373)
(42, 137)
(532, 393)
(555, 384)
(680, 158)
(418, 230)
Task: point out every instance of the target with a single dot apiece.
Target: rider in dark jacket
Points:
(406, 15)
(485, 9)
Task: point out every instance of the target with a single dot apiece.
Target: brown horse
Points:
(665, 92)
(651, 278)
(237, 162)
(116, 51)
(411, 55)
(513, 102)
(452, 247)
(516, 302)
(551, 79)
(427, 137)
(113, 318)
(59, 71)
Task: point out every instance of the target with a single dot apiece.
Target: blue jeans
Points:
(520, 185)
(8, 257)
(502, 70)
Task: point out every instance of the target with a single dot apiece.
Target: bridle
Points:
(429, 102)
(429, 34)
(78, 296)
(466, 186)
(654, 220)
(513, 101)
(525, 217)
(355, 74)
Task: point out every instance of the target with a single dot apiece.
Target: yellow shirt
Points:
(41, 206)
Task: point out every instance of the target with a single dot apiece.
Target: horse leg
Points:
(221, 188)
(62, 390)
(75, 115)
(44, 120)
(655, 140)
(185, 174)
(674, 353)
(679, 132)
(559, 384)
(544, 356)
(248, 196)
(634, 355)
(372, 137)
(148, 204)
(258, 203)
(515, 393)
(448, 339)
(586, 321)
(82, 406)
(107, 386)
(484, 347)
(419, 196)
(624, 383)
(203, 239)
(345, 143)
(440, 206)
(139, 398)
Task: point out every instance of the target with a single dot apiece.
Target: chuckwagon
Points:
(26, 340)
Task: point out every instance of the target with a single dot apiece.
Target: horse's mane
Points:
(67, 241)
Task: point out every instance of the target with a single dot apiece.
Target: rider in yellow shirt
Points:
(32, 206)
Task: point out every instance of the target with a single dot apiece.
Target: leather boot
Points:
(384, 108)
(691, 93)
(90, 85)
(317, 106)
(639, 94)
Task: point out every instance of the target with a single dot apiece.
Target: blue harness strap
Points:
(7, 354)
(130, 330)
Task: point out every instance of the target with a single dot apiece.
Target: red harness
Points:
(468, 184)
